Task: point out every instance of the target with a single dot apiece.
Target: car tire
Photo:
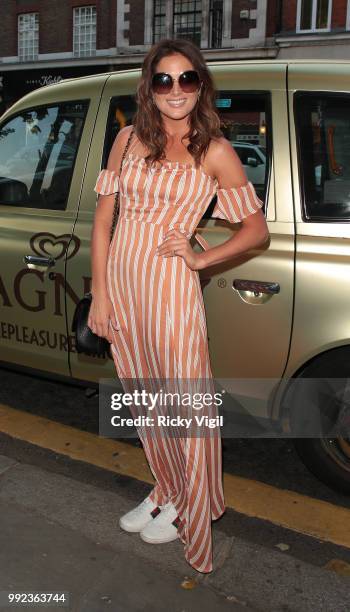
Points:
(328, 459)
(318, 410)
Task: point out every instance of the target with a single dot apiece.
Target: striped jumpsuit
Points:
(161, 325)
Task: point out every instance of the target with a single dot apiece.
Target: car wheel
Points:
(328, 459)
(319, 416)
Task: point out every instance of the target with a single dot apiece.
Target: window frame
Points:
(23, 44)
(313, 28)
(194, 12)
(215, 29)
(347, 25)
(308, 217)
(78, 39)
(160, 25)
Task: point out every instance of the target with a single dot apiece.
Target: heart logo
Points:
(47, 244)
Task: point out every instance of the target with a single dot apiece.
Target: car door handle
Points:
(38, 263)
(256, 287)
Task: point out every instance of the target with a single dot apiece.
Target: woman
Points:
(147, 297)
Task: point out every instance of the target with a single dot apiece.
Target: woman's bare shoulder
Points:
(219, 149)
(224, 163)
(219, 146)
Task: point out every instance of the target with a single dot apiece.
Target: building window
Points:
(215, 23)
(188, 20)
(28, 36)
(314, 15)
(84, 31)
(159, 21)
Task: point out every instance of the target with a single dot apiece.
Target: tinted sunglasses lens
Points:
(189, 81)
(162, 83)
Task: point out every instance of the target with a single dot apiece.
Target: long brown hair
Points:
(204, 122)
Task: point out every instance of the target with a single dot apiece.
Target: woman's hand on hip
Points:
(176, 244)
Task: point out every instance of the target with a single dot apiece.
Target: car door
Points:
(115, 111)
(43, 148)
(319, 112)
(249, 301)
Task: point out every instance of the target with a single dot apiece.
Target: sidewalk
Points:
(38, 554)
(61, 534)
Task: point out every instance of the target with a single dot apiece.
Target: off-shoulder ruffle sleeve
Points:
(236, 203)
(107, 182)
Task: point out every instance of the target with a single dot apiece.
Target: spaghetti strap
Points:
(133, 141)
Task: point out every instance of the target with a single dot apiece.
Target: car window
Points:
(121, 111)
(244, 153)
(241, 152)
(243, 115)
(246, 117)
(323, 144)
(38, 148)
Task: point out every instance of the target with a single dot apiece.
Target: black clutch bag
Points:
(85, 340)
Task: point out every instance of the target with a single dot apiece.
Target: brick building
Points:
(310, 28)
(45, 41)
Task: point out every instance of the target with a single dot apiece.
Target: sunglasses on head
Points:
(189, 81)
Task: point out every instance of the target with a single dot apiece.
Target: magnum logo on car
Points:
(57, 245)
(43, 244)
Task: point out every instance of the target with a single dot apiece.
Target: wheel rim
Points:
(339, 450)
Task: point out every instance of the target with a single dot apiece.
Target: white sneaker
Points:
(138, 518)
(162, 529)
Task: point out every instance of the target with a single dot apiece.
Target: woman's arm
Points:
(101, 310)
(228, 169)
(101, 228)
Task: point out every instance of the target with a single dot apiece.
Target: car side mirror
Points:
(252, 161)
